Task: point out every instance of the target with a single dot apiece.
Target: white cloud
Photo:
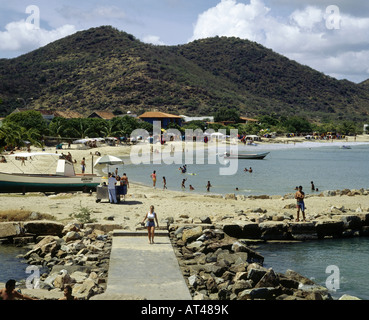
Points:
(153, 40)
(305, 35)
(22, 36)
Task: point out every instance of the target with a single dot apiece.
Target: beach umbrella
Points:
(108, 160)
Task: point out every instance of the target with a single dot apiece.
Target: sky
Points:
(330, 36)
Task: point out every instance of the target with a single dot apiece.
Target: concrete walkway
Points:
(146, 270)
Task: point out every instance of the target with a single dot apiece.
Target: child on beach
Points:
(164, 183)
(208, 186)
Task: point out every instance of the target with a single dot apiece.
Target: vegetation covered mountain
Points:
(106, 69)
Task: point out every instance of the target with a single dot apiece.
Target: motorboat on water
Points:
(254, 156)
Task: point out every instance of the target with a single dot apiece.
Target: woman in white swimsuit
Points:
(151, 217)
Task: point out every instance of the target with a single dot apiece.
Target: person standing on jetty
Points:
(299, 196)
(151, 217)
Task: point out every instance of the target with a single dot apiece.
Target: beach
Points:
(274, 214)
(182, 206)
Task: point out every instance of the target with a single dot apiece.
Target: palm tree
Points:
(10, 133)
(109, 130)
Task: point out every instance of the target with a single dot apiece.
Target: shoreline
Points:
(185, 207)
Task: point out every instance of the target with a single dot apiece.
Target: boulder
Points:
(352, 222)
(189, 235)
(303, 231)
(49, 244)
(266, 293)
(251, 230)
(105, 227)
(364, 218)
(252, 256)
(241, 285)
(84, 290)
(332, 228)
(42, 227)
(233, 230)
(290, 274)
(329, 193)
(274, 230)
(255, 274)
(269, 279)
(72, 236)
(10, 229)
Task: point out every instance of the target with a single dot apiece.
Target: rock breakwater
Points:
(219, 267)
(72, 254)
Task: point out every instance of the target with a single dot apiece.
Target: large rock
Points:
(353, 222)
(303, 231)
(298, 277)
(106, 227)
(251, 230)
(42, 227)
(10, 229)
(49, 244)
(189, 235)
(265, 293)
(332, 228)
(252, 256)
(274, 230)
(269, 279)
(364, 218)
(234, 230)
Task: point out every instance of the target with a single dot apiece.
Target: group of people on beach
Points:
(117, 186)
(183, 184)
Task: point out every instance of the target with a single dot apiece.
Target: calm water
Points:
(312, 258)
(11, 267)
(286, 166)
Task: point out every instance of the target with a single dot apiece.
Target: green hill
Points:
(105, 69)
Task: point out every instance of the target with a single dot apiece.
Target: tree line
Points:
(17, 128)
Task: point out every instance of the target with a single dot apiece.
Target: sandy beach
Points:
(183, 207)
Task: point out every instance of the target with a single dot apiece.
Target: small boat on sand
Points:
(64, 180)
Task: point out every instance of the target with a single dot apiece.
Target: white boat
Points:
(255, 156)
(64, 180)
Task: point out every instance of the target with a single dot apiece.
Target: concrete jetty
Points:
(143, 270)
